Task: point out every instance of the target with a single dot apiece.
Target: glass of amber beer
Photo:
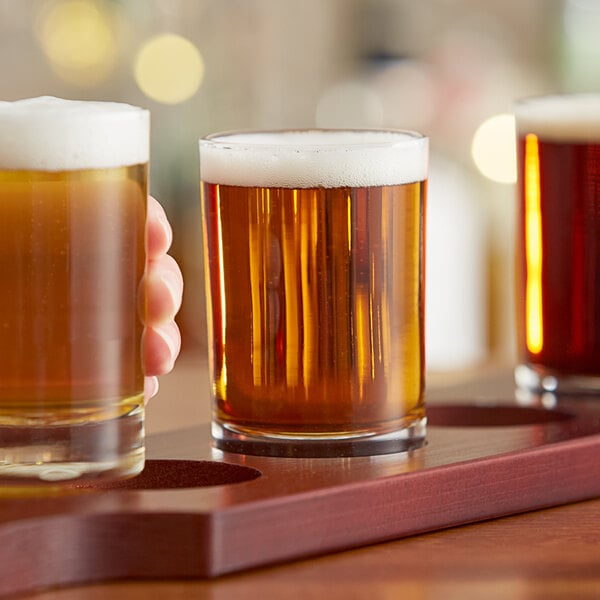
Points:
(73, 193)
(558, 244)
(314, 278)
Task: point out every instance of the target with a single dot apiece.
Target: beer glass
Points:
(558, 244)
(73, 193)
(314, 263)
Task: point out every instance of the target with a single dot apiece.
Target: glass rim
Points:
(388, 138)
(315, 157)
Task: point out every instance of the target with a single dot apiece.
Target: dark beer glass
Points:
(73, 192)
(558, 244)
(314, 279)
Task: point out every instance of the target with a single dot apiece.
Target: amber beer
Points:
(314, 264)
(558, 237)
(73, 190)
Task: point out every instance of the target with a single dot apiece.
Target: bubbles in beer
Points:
(311, 158)
(52, 134)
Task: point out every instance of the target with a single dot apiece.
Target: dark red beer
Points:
(567, 178)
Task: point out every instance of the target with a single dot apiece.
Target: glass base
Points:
(231, 439)
(536, 378)
(96, 450)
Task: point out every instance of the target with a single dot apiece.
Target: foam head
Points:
(566, 118)
(314, 158)
(51, 134)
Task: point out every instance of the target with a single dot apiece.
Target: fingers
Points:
(161, 347)
(160, 300)
(163, 283)
(159, 234)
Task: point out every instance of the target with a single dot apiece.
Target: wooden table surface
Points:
(552, 553)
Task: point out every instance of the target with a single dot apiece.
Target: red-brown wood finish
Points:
(196, 512)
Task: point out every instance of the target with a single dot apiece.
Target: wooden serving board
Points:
(196, 512)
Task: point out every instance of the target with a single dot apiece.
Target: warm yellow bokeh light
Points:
(77, 38)
(169, 69)
(494, 148)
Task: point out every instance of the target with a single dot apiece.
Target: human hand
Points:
(163, 284)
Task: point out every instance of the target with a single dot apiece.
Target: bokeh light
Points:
(78, 40)
(494, 148)
(169, 68)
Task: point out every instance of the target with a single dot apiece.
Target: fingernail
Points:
(172, 343)
(162, 217)
(172, 282)
(150, 387)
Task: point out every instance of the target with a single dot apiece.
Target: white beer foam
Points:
(314, 158)
(52, 134)
(566, 118)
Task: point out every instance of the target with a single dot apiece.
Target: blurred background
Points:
(448, 68)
